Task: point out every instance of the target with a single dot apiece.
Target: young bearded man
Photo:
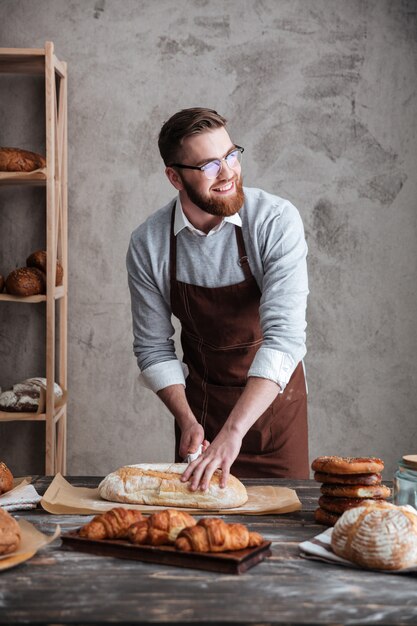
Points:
(230, 263)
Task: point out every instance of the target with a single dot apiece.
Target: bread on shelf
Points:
(26, 281)
(38, 259)
(18, 160)
(27, 396)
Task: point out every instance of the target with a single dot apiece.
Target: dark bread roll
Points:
(1, 283)
(38, 259)
(348, 479)
(340, 505)
(326, 518)
(356, 491)
(6, 478)
(9, 533)
(26, 281)
(18, 160)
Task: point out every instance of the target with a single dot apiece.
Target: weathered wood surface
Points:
(62, 587)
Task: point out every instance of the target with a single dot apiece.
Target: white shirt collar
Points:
(181, 221)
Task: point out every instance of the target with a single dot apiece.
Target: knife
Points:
(192, 457)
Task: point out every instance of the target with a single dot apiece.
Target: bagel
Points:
(348, 479)
(347, 465)
(326, 518)
(340, 505)
(356, 491)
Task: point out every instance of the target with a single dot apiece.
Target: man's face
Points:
(221, 196)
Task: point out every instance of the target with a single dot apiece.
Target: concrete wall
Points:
(322, 95)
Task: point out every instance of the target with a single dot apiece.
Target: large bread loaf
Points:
(159, 484)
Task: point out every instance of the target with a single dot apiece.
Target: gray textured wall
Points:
(322, 93)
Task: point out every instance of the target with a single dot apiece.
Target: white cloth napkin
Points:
(20, 498)
(319, 549)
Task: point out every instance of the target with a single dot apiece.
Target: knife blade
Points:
(193, 456)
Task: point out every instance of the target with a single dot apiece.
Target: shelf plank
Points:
(7, 297)
(22, 61)
(13, 416)
(37, 177)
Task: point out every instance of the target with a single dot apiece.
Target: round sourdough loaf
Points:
(377, 535)
(159, 484)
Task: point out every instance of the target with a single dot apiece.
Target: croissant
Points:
(214, 535)
(161, 528)
(111, 525)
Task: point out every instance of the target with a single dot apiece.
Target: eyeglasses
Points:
(212, 168)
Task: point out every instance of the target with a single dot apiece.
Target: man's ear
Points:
(174, 178)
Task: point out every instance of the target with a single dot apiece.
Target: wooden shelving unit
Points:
(43, 62)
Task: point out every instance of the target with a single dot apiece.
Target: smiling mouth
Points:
(225, 188)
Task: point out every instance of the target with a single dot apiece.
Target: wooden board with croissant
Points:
(171, 537)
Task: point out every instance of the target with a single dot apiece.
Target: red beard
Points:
(220, 207)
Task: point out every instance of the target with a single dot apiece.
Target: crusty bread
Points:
(6, 478)
(18, 160)
(9, 533)
(347, 465)
(159, 484)
(377, 535)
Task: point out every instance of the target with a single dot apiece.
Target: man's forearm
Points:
(257, 396)
(176, 401)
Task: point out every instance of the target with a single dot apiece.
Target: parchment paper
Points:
(62, 498)
(32, 540)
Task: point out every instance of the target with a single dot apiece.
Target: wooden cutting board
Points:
(235, 562)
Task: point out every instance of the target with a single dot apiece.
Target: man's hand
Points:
(220, 454)
(192, 436)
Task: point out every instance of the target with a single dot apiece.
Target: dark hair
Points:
(183, 124)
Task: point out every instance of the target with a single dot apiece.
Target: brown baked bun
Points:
(18, 160)
(9, 533)
(340, 505)
(1, 283)
(6, 478)
(347, 465)
(26, 281)
(326, 518)
(38, 259)
(348, 479)
(356, 491)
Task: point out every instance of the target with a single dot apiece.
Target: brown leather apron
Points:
(220, 335)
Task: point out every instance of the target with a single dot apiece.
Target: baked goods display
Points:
(25, 397)
(160, 528)
(18, 160)
(113, 524)
(6, 478)
(26, 281)
(31, 280)
(9, 533)
(171, 527)
(347, 482)
(212, 534)
(38, 259)
(160, 484)
(377, 535)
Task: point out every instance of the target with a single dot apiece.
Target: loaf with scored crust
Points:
(159, 484)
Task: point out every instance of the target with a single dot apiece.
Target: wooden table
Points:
(63, 587)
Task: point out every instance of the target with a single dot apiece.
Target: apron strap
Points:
(243, 258)
(173, 249)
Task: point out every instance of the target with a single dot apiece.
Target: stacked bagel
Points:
(346, 483)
